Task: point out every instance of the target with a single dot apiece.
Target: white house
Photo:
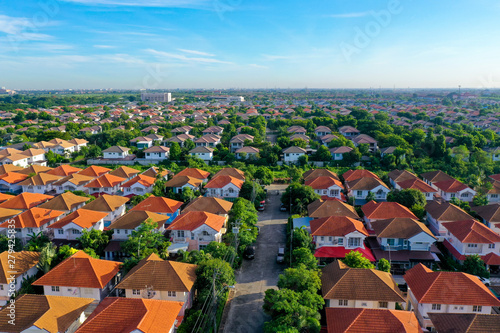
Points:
(35, 156)
(40, 183)
(204, 153)
(339, 152)
(157, 153)
(113, 205)
(25, 267)
(292, 154)
(224, 187)
(439, 213)
(9, 182)
(116, 152)
(72, 226)
(73, 182)
(326, 186)
(139, 185)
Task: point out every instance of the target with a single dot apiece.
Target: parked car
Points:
(485, 281)
(261, 206)
(281, 255)
(283, 208)
(249, 252)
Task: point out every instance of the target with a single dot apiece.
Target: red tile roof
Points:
(356, 174)
(33, 218)
(141, 179)
(323, 182)
(105, 180)
(159, 205)
(336, 226)
(416, 184)
(386, 210)
(471, 231)
(221, 181)
(195, 173)
(94, 171)
(82, 217)
(25, 201)
(450, 186)
(193, 220)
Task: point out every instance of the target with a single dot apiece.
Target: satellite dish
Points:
(148, 293)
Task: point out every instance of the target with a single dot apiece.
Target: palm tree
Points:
(47, 255)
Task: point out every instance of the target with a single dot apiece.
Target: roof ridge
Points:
(471, 323)
(352, 323)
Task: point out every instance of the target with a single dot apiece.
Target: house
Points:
(126, 172)
(321, 131)
(247, 153)
(360, 188)
(25, 201)
(450, 189)
(315, 173)
(73, 182)
(203, 153)
(335, 236)
(40, 313)
(34, 169)
(348, 131)
(354, 320)
(178, 183)
(433, 177)
(157, 172)
(25, 263)
(105, 184)
(35, 156)
(66, 202)
(325, 186)
(374, 211)
(217, 130)
(116, 152)
(233, 172)
(71, 226)
(139, 185)
(469, 237)
(338, 152)
(94, 171)
(114, 205)
(446, 292)
(210, 205)
(142, 142)
(197, 229)
(224, 187)
(357, 174)
(40, 183)
(166, 280)
(465, 323)
(32, 221)
(296, 130)
(419, 185)
(379, 290)
(326, 139)
(20, 160)
(238, 141)
(365, 139)
(157, 153)
(209, 140)
(79, 143)
(81, 276)
(180, 139)
(160, 205)
(404, 242)
(292, 154)
(490, 215)
(182, 130)
(324, 208)
(9, 182)
(397, 176)
(439, 213)
(64, 170)
(388, 151)
(142, 316)
(195, 173)
(300, 137)
(493, 194)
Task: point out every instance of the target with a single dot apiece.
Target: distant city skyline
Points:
(168, 44)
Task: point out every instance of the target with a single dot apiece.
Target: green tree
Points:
(480, 200)
(355, 259)
(384, 265)
(474, 265)
(175, 151)
(322, 154)
(4, 244)
(303, 257)
(94, 239)
(302, 239)
(303, 160)
(47, 255)
(187, 194)
(407, 197)
(265, 175)
(37, 242)
(300, 279)
(370, 196)
(299, 196)
(145, 241)
(209, 270)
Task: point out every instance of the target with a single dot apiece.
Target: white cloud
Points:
(257, 66)
(104, 46)
(183, 58)
(201, 4)
(349, 15)
(197, 52)
(20, 28)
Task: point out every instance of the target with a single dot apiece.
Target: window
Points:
(60, 231)
(1, 286)
(343, 302)
(322, 238)
(39, 187)
(351, 242)
(126, 232)
(383, 305)
(390, 241)
(55, 288)
(30, 230)
(464, 195)
(341, 241)
(436, 307)
(330, 239)
(136, 292)
(491, 246)
(118, 231)
(364, 304)
(359, 193)
(452, 195)
(494, 196)
(205, 233)
(172, 294)
(75, 232)
(334, 193)
(180, 233)
(472, 245)
(231, 190)
(477, 308)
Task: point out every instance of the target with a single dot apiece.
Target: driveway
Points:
(245, 313)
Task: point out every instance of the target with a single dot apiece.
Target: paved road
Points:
(256, 276)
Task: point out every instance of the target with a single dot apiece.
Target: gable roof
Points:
(320, 208)
(33, 218)
(294, 149)
(210, 205)
(105, 180)
(356, 174)
(40, 179)
(401, 175)
(158, 205)
(143, 315)
(94, 171)
(13, 177)
(48, 313)
(416, 184)
(4, 197)
(80, 270)
(221, 181)
(64, 170)
(83, 218)
(134, 218)
(193, 220)
(124, 172)
(365, 183)
(194, 173)
(471, 231)
(339, 281)
(399, 227)
(106, 203)
(161, 275)
(233, 172)
(448, 287)
(179, 181)
(24, 261)
(450, 186)
(436, 176)
(315, 173)
(446, 211)
(35, 168)
(75, 179)
(465, 322)
(336, 226)
(386, 210)
(64, 202)
(323, 182)
(490, 213)
(116, 149)
(141, 179)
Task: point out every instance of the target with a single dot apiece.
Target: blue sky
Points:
(166, 44)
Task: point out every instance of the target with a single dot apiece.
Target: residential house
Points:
(216, 130)
(81, 276)
(324, 208)
(35, 156)
(292, 154)
(139, 185)
(315, 173)
(40, 313)
(157, 172)
(79, 143)
(352, 175)
(325, 186)
(9, 182)
(71, 226)
(419, 185)
(450, 189)
(34, 169)
(360, 188)
(195, 173)
(238, 141)
(446, 292)
(465, 323)
(105, 184)
(182, 130)
(25, 201)
(126, 172)
(66, 202)
(180, 139)
(379, 290)
(365, 139)
(490, 215)
(163, 279)
(296, 130)
(335, 236)
(116, 152)
(178, 183)
(210, 205)
(339, 152)
(64, 170)
(348, 131)
(160, 205)
(142, 142)
(493, 194)
(233, 172)
(197, 229)
(113, 205)
(203, 153)
(326, 139)
(247, 153)
(439, 213)
(14, 267)
(20, 160)
(40, 183)
(142, 315)
(73, 182)
(404, 242)
(321, 131)
(374, 211)
(209, 140)
(94, 171)
(157, 153)
(397, 176)
(224, 187)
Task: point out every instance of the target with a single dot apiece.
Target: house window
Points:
(452, 195)
(359, 193)
(136, 292)
(334, 193)
(343, 302)
(364, 304)
(322, 238)
(205, 233)
(351, 242)
(55, 288)
(230, 190)
(180, 233)
(494, 196)
(30, 230)
(383, 305)
(60, 231)
(341, 241)
(390, 241)
(118, 231)
(330, 239)
(491, 246)
(464, 195)
(436, 307)
(1, 286)
(75, 232)
(172, 294)
(472, 245)
(39, 187)
(126, 232)
(477, 308)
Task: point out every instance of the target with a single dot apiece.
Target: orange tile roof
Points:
(80, 270)
(209, 204)
(40, 179)
(448, 287)
(194, 173)
(134, 218)
(4, 197)
(105, 180)
(356, 174)
(64, 202)
(472, 231)
(94, 171)
(9, 168)
(6, 213)
(82, 217)
(416, 184)
(323, 182)
(25, 201)
(141, 179)
(233, 172)
(193, 220)
(64, 170)
(179, 181)
(35, 168)
(386, 210)
(24, 261)
(451, 186)
(33, 218)
(320, 208)
(124, 172)
(13, 177)
(159, 205)
(143, 315)
(106, 203)
(221, 181)
(336, 226)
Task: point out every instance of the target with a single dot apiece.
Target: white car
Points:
(485, 281)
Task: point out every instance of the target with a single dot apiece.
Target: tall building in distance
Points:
(156, 97)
